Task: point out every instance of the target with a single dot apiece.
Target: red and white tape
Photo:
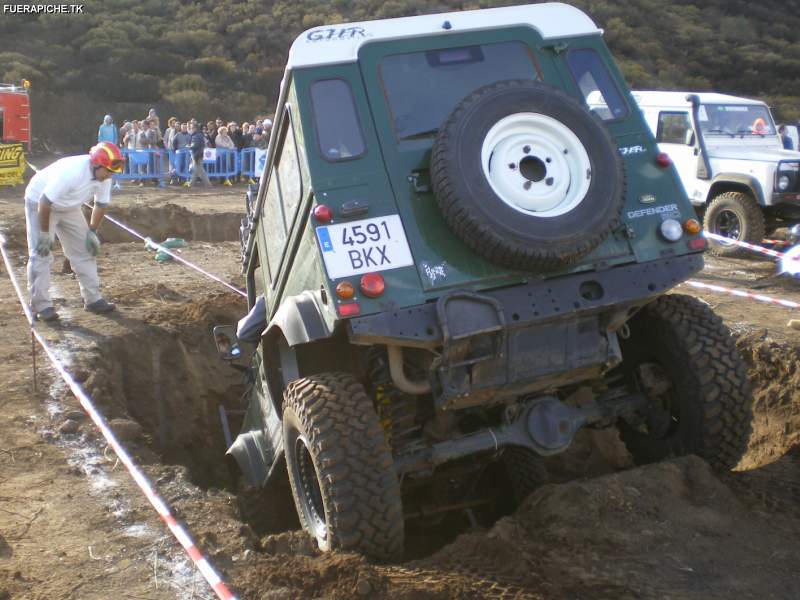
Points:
(729, 242)
(162, 508)
(777, 242)
(742, 294)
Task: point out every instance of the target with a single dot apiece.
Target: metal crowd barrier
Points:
(142, 164)
(160, 164)
(248, 162)
(225, 166)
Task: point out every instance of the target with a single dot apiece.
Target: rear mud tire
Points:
(708, 406)
(736, 208)
(526, 471)
(340, 467)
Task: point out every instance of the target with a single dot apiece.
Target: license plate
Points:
(364, 246)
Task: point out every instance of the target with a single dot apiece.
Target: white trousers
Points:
(71, 228)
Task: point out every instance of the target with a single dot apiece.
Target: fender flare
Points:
(299, 319)
(747, 181)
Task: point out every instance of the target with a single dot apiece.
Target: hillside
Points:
(226, 57)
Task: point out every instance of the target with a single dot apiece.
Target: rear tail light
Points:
(323, 214)
(663, 160)
(697, 244)
(372, 285)
(345, 290)
(692, 226)
(349, 310)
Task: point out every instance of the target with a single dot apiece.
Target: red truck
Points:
(15, 114)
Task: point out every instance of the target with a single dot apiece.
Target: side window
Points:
(339, 133)
(274, 225)
(673, 128)
(288, 170)
(596, 84)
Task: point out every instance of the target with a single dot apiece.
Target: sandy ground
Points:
(73, 525)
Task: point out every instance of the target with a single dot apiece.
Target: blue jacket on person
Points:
(107, 133)
(197, 143)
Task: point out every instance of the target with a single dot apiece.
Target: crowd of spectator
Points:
(147, 134)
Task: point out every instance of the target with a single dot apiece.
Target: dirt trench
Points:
(167, 378)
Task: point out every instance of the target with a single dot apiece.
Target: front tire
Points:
(683, 359)
(340, 467)
(734, 215)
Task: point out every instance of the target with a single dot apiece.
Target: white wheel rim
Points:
(536, 164)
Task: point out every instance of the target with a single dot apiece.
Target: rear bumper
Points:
(537, 301)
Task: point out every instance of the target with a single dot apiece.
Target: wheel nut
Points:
(526, 149)
(549, 181)
(527, 185)
(512, 166)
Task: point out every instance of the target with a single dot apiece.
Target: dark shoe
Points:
(46, 314)
(100, 307)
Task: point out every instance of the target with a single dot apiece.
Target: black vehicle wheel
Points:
(340, 468)
(683, 359)
(526, 471)
(734, 215)
(526, 176)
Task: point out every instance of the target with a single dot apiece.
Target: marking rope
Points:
(742, 294)
(162, 508)
(728, 241)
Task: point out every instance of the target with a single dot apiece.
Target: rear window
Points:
(423, 88)
(338, 129)
(596, 84)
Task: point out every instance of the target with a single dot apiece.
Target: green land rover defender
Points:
(453, 265)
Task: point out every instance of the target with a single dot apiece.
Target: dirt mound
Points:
(774, 369)
(666, 530)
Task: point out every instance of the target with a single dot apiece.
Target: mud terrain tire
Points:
(734, 209)
(707, 406)
(526, 176)
(526, 471)
(340, 468)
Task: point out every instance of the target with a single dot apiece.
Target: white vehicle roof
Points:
(678, 99)
(10, 87)
(336, 44)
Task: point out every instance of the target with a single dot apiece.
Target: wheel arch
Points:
(735, 182)
(299, 320)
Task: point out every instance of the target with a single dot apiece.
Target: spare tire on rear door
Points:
(526, 176)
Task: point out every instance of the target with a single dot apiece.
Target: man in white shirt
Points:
(53, 201)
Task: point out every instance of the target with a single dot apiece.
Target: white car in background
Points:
(730, 159)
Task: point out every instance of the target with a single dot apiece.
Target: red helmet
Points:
(108, 155)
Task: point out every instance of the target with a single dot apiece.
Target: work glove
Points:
(44, 244)
(92, 243)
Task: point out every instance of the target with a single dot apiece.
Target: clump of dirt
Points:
(774, 369)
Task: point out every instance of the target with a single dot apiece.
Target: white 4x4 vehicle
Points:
(730, 159)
